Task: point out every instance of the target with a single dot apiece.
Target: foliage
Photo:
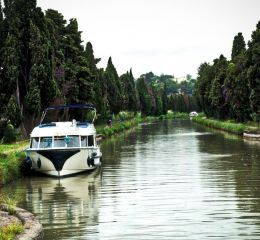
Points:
(170, 83)
(237, 128)
(253, 70)
(9, 133)
(231, 89)
(10, 166)
(173, 115)
(9, 231)
(117, 126)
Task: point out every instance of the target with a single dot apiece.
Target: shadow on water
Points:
(230, 166)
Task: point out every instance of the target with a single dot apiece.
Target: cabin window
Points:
(72, 141)
(83, 141)
(87, 141)
(59, 141)
(46, 142)
(34, 142)
(91, 140)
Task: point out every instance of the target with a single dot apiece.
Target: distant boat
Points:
(66, 145)
(193, 114)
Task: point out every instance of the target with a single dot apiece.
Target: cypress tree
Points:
(239, 46)
(164, 99)
(202, 88)
(10, 75)
(124, 79)
(105, 108)
(56, 27)
(146, 97)
(113, 87)
(237, 90)
(217, 91)
(253, 72)
(79, 81)
(91, 62)
(131, 93)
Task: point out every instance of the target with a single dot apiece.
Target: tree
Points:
(10, 82)
(114, 88)
(146, 97)
(129, 94)
(217, 91)
(91, 63)
(57, 34)
(253, 72)
(202, 87)
(239, 46)
(237, 91)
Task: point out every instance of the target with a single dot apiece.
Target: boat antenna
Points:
(43, 116)
(95, 113)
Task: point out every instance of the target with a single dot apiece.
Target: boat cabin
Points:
(68, 141)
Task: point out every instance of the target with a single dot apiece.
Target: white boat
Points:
(67, 146)
(193, 114)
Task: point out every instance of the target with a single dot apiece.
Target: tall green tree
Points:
(10, 80)
(253, 72)
(129, 94)
(236, 83)
(146, 97)
(203, 86)
(91, 63)
(239, 46)
(217, 91)
(114, 87)
(78, 78)
(56, 25)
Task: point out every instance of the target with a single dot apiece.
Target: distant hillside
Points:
(172, 85)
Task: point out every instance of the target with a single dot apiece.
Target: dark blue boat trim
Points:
(58, 157)
(79, 106)
(47, 125)
(83, 124)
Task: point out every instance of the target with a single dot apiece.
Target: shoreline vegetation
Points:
(228, 125)
(12, 155)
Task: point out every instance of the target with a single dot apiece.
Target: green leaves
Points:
(232, 89)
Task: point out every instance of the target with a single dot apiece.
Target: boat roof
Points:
(63, 129)
(79, 106)
(68, 107)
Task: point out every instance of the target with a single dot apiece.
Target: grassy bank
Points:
(116, 127)
(11, 230)
(119, 125)
(11, 156)
(11, 226)
(228, 126)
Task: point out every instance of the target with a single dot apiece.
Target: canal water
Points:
(166, 180)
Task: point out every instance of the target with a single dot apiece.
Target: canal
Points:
(166, 180)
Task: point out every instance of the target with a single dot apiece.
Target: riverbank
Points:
(17, 223)
(11, 158)
(120, 125)
(228, 126)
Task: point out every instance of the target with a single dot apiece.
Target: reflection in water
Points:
(66, 207)
(170, 180)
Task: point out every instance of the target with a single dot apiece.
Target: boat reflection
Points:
(68, 205)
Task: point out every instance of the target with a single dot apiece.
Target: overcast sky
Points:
(164, 36)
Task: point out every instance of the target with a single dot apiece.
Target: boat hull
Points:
(63, 162)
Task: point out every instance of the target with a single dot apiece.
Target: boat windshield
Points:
(81, 113)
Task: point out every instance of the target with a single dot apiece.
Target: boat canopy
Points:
(64, 113)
